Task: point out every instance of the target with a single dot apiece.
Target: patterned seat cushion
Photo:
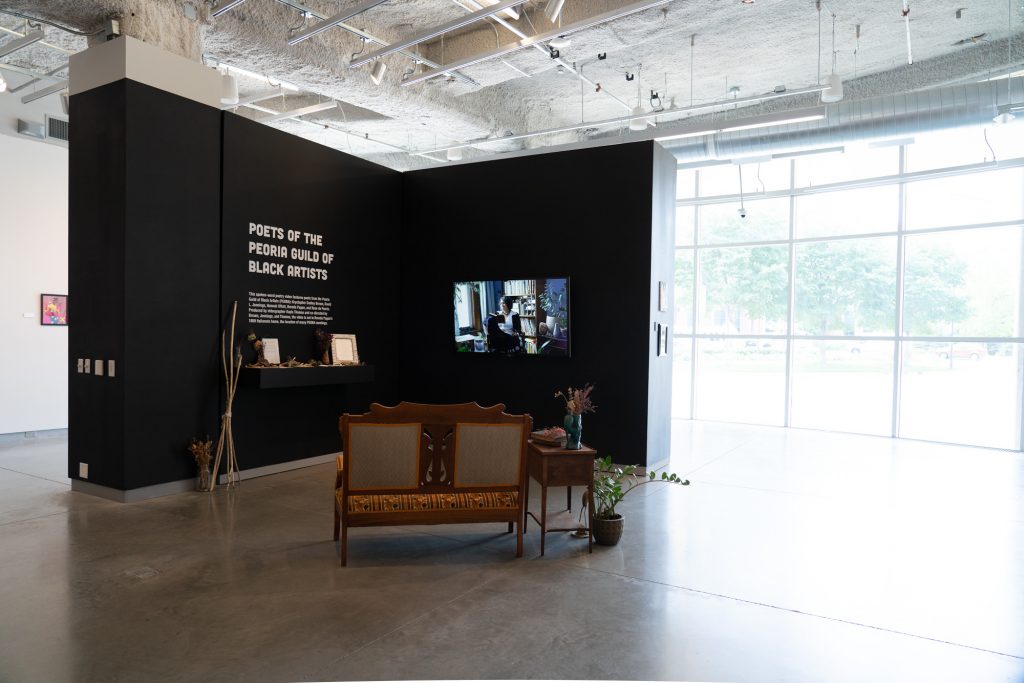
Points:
(424, 502)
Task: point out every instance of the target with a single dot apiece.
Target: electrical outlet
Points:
(88, 366)
(98, 367)
(83, 470)
(110, 368)
(80, 364)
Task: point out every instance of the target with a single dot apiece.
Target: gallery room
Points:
(511, 339)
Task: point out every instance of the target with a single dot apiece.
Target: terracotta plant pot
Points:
(608, 531)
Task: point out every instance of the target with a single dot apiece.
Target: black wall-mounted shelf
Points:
(282, 378)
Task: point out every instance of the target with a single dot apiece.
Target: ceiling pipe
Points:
(861, 120)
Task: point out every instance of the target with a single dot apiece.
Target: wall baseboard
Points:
(185, 485)
(282, 467)
(34, 434)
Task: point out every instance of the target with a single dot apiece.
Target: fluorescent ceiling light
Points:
(225, 6)
(742, 126)
(334, 21)
(430, 33)
(530, 41)
(18, 43)
(40, 94)
(259, 77)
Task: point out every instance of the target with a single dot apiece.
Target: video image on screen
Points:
(529, 317)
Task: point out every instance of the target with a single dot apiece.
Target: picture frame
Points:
(271, 351)
(344, 350)
(53, 310)
(662, 296)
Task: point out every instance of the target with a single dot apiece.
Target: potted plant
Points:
(577, 402)
(611, 484)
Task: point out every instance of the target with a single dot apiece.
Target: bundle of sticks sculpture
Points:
(231, 363)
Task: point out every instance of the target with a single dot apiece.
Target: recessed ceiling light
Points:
(746, 2)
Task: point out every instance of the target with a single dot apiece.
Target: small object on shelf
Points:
(271, 352)
(551, 436)
(344, 350)
(323, 343)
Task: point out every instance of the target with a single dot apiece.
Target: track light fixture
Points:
(555, 54)
(377, 72)
(560, 43)
(553, 9)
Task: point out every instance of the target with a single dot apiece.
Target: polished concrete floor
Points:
(794, 556)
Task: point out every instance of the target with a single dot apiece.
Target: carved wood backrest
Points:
(436, 464)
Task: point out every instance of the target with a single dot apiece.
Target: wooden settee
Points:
(431, 464)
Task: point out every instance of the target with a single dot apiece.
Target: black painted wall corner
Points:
(585, 213)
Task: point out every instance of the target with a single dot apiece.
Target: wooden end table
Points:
(556, 466)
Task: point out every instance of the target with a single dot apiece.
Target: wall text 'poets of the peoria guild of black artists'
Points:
(299, 247)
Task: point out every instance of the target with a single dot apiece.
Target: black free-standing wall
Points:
(144, 278)
(278, 179)
(587, 214)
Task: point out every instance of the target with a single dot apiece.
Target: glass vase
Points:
(204, 479)
(573, 431)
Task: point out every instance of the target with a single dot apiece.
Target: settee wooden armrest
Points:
(431, 464)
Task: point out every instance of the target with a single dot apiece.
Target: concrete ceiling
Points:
(752, 47)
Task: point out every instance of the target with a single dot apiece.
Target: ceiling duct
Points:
(854, 120)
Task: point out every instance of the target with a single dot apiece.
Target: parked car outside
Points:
(969, 350)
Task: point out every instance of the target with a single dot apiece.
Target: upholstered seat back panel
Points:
(487, 454)
(383, 456)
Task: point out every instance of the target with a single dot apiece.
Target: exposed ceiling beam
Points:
(18, 43)
(294, 113)
(225, 6)
(334, 21)
(539, 38)
(436, 31)
(48, 90)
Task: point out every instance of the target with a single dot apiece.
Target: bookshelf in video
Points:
(512, 316)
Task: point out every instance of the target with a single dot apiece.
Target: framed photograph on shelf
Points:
(343, 350)
(53, 309)
(271, 351)
(662, 296)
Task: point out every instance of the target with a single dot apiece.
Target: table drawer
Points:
(568, 470)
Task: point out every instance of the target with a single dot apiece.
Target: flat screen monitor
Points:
(513, 317)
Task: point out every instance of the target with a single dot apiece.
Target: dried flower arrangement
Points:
(577, 401)
(323, 344)
(202, 452)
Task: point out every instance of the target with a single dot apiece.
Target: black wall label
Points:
(277, 258)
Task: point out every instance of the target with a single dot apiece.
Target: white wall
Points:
(33, 260)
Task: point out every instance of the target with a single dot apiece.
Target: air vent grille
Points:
(57, 129)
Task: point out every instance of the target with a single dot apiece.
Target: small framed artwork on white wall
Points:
(662, 296)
